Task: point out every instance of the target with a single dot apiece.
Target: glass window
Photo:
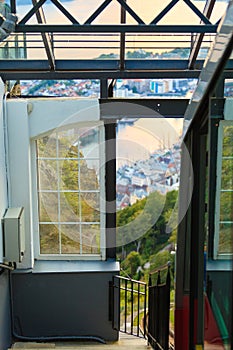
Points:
(69, 193)
(224, 194)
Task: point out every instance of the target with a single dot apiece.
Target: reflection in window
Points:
(224, 205)
(228, 88)
(68, 165)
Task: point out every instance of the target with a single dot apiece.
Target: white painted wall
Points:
(228, 108)
(27, 120)
(3, 184)
(20, 168)
(48, 114)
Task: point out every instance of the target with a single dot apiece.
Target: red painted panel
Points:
(182, 325)
(212, 334)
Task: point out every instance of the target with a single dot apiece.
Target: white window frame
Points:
(219, 190)
(45, 116)
(102, 255)
(28, 120)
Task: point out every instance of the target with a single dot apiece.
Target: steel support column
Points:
(110, 188)
(215, 115)
(196, 302)
(110, 177)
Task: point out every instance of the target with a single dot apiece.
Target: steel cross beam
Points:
(140, 27)
(155, 108)
(215, 66)
(97, 12)
(128, 9)
(123, 4)
(98, 69)
(32, 11)
(45, 36)
(199, 37)
(64, 11)
(103, 69)
(110, 28)
(38, 6)
(69, 75)
(197, 12)
(164, 12)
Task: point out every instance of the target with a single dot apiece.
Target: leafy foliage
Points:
(147, 248)
(131, 263)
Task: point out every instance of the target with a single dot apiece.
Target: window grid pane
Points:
(68, 194)
(225, 196)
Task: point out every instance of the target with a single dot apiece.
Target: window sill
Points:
(219, 265)
(43, 266)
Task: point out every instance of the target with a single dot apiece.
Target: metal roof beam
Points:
(98, 11)
(122, 40)
(32, 12)
(197, 12)
(128, 9)
(45, 36)
(215, 66)
(13, 6)
(167, 66)
(108, 74)
(164, 12)
(199, 37)
(122, 28)
(64, 11)
(156, 108)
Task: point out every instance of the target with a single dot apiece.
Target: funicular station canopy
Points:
(62, 40)
(66, 45)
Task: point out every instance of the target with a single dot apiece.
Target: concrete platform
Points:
(126, 342)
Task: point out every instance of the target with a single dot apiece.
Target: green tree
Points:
(131, 264)
(151, 229)
(160, 260)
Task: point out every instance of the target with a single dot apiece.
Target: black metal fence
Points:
(159, 310)
(128, 305)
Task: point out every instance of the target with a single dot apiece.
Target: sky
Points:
(82, 9)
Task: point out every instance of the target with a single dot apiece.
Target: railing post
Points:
(127, 313)
(168, 279)
(159, 310)
(111, 300)
(157, 307)
(131, 307)
(159, 278)
(119, 304)
(167, 309)
(138, 311)
(125, 304)
(149, 310)
(144, 318)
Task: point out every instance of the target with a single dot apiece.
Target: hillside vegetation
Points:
(154, 247)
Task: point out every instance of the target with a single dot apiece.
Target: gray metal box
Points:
(14, 234)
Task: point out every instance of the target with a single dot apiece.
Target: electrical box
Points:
(14, 235)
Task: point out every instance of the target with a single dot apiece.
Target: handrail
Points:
(128, 299)
(161, 268)
(131, 280)
(7, 267)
